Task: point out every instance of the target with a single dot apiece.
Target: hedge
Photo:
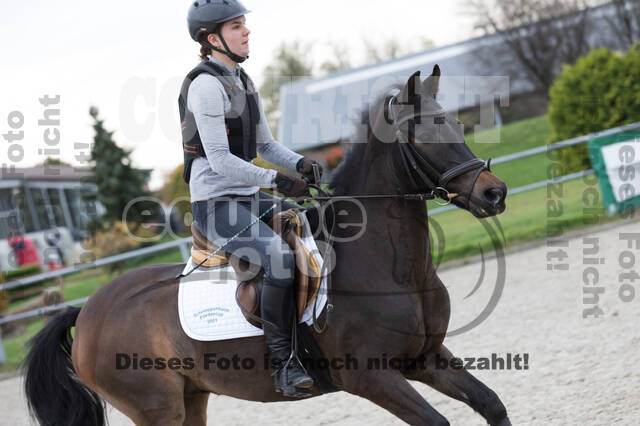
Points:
(601, 91)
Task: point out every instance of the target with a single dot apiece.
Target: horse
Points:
(387, 297)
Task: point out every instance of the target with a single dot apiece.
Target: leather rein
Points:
(414, 164)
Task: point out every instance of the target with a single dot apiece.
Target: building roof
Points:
(319, 111)
(52, 173)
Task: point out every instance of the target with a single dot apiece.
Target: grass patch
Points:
(86, 287)
(525, 219)
(76, 289)
(15, 347)
(516, 137)
(510, 138)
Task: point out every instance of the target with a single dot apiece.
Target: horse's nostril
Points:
(494, 195)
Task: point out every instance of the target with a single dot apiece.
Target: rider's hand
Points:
(291, 186)
(305, 168)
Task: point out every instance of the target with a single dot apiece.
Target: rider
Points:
(224, 127)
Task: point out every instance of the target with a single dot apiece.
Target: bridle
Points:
(415, 164)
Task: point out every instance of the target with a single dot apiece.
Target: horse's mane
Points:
(364, 148)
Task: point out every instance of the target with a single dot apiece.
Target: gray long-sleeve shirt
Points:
(221, 172)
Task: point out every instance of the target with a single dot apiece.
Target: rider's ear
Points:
(431, 84)
(213, 39)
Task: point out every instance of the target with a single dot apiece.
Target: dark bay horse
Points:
(388, 299)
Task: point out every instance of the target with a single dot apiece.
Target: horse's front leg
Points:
(391, 391)
(461, 385)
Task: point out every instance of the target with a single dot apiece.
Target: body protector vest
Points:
(241, 120)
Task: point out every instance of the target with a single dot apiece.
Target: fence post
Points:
(184, 252)
(3, 356)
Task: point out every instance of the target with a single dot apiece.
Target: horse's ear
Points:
(414, 81)
(411, 88)
(431, 84)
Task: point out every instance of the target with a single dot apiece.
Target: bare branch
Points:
(541, 35)
(625, 24)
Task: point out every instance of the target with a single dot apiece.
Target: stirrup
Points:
(294, 392)
(282, 385)
(293, 359)
(290, 390)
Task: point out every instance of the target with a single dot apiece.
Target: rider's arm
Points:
(208, 103)
(271, 150)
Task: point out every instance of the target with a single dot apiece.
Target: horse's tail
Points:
(54, 392)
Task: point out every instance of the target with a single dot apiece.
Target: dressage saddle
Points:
(288, 225)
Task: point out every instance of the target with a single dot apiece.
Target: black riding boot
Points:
(277, 306)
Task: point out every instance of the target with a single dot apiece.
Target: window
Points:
(23, 209)
(41, 208)
(7, 213)
(75, 207)
(56, 207)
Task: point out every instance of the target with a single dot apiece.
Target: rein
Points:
(414, 163)
(183, 275)
(411, 156)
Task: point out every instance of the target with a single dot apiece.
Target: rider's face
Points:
(236, 34)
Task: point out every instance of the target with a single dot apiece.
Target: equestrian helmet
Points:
(205, 15)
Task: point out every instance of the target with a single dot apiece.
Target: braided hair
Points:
(205, 52)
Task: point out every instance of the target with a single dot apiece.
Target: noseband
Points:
(415, 164)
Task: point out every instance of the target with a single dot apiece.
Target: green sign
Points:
(616, 161)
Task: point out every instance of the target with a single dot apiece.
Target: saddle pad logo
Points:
(211, 315)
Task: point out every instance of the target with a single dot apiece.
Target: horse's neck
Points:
(395, 234)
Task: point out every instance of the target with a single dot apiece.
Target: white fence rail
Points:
(549, 148)
(184, 243)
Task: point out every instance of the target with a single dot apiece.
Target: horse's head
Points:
(432, 150)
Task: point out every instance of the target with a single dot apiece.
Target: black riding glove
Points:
(291, 186)
(305, 168)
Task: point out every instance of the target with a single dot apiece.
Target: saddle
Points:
(307, 279)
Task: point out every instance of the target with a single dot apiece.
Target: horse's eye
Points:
(438, 120)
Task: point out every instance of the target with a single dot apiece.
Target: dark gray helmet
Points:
(205, 15)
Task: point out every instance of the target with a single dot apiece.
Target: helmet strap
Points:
(235, 58)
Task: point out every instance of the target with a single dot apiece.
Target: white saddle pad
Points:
(207, 302)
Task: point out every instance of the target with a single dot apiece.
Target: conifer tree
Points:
(118, 182)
